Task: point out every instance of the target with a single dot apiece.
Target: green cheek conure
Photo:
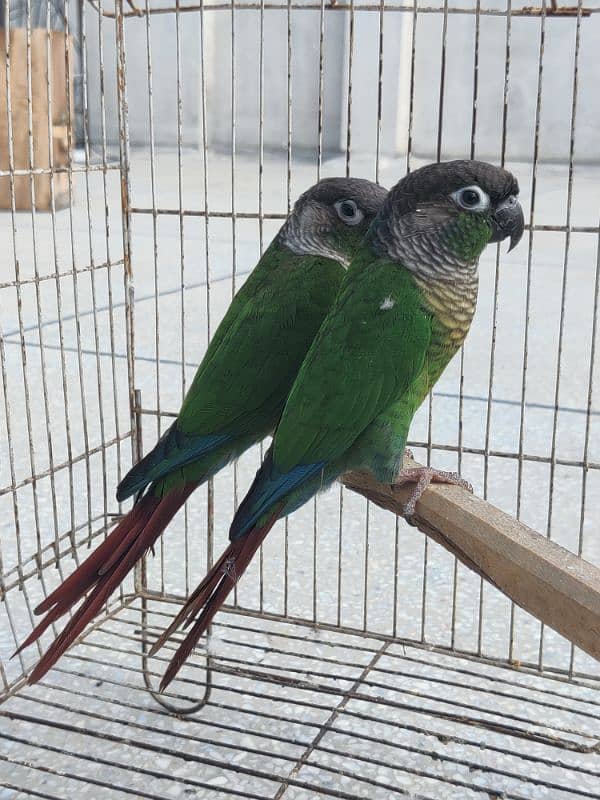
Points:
(403, 310)
(237, 394)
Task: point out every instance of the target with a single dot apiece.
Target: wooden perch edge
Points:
(553, 584)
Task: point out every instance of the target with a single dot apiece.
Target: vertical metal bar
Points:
(59, 303)
(488, 420)
(233, 224)
(210, 506)
(396, 566)
(210, 485)
(319, 166)
(11, 179)
(409, 147)
(128, 277)
(438, 149)
(315, 560)
(366, 565)
(462, 349)
(563, 294)
(339, 555)
(289, 108)
(430, 396)
(320, 109)
(261, 167)
(16, 261)
(349, 104)
(288, 208)
(532, 210)
(80, 367)
(588, 418)
(411, 100)
(38, 299)
(379, 90)
(151, 136)
(261, 126)
(13, 480)
(186, 543)
(140, 574)
(109, 269)
(92, 262)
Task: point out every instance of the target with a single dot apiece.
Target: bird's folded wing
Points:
(369, 350)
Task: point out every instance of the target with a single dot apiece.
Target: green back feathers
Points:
(243, 379)
(368, 350)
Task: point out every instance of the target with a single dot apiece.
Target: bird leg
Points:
(423, 476)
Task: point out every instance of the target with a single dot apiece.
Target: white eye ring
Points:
(471, 198)
(349, 212)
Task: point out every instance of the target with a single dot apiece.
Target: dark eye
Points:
(349, 212)
(472, 198)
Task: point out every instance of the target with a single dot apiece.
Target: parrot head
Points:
(332, 217)
(446, 213)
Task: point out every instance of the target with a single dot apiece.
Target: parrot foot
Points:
(408, 453)
(423, 476)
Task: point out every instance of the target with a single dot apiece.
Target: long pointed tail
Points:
(210, 595)
(102, 572)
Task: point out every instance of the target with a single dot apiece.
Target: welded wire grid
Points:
(347, 625)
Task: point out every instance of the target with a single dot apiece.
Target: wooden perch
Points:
(553, 584)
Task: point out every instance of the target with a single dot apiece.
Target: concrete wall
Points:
(557, 88)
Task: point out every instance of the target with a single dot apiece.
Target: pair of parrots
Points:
(333, 342)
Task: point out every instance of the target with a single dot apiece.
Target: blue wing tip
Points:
(269, 487)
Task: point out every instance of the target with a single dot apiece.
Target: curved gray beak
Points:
(508, 221)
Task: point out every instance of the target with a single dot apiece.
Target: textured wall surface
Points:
(359, 61)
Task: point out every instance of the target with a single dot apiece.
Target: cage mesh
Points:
(357, 659)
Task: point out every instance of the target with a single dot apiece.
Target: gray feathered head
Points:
(331, 218)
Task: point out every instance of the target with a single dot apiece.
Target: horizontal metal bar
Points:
(63, 465)
(31, 792)
(239, 729)
(257, 215)
(398, 722)
(507, 679)
(73, 169)
(587, 680)
(453, 448)
(319, 687)
(37, 279)
(320, 659)
(94, 781)
(39, 563)
(183, 756)
(346, 7)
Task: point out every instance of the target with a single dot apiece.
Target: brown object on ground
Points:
(46, 48)
(553, 584)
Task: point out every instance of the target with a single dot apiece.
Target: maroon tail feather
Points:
(103, 570)
(210, 596)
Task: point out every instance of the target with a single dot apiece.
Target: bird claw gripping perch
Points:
(423, 476)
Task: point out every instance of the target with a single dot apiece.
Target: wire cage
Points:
(358, 658)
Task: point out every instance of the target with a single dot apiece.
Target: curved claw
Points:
(423, 476)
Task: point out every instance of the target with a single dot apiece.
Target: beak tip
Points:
(509, 223)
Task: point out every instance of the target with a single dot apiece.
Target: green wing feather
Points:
(365, 357)
(244, 379)
(240, 387)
